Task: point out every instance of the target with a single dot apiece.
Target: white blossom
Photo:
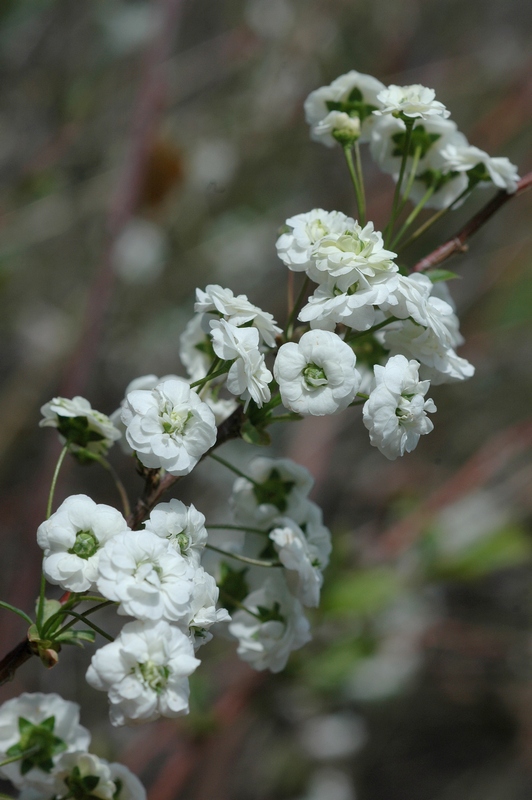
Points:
(203, 613)
(143, 382)
(79, 424)
(169, 426)
(72, 539)
(183, 526)
(248, 376)
(354, 94)
(317, 375)
(295, 247)
(355, 306)
(278, 487)
(414, 101)
(276, 626)
(195, 348)
(146, 575)
(128, 785)
(221, 407)
(237, 310)
(439, 363)
(73, 769)
(145, 672)
(465, 157)
(302, 558)
(339, 125)
(395, 413)
(38, 719)
(352, 255)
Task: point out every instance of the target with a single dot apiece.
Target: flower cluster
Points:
(367, 334)
(41, 736)
(406, 121)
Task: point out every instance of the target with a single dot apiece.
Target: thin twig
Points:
(458, 243)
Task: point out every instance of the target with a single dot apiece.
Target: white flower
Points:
(395, 413)
(354, 305)
(72, 539)
(128, 785)
(317, 375)
(300, 556)
(500, 171)
(73, 770)
(183, 526)
(339, 125)
(79, 424)
(38, 719)
(439, 363)
(145, 672)
(143, 382)
(169, 426)
(414, 101)
(354, 94)
(248, 376)
(276, 626)
(204, 613)
(146, 575)
(195, 348)
(278, 487)
(237, 310)
(296, 246)
(352, 255)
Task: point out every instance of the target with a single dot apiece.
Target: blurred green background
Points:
(147, 148)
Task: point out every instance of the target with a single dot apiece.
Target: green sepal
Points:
(254, 435)
(271, 614)
(437, 275)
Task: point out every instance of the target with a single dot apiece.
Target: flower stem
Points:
(354, 178)
(82, 618)
(118, 483)
(236, 528)
(411, 179)
(20, 756)
(377, 327)
(87, 612)
(412, 216)
(238, 604)
(210, 376)
(397, 193)
(434, 218)
(360, 174)
(15, 610)
(288, 331)
(253, 561)
(40, 606)
(232, 468)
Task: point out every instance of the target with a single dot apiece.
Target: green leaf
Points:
(437, 275)
(76, 637)
(362, 593)
(253, 435)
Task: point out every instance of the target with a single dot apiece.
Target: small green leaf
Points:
(437, 275)
(253, 435)
(76, 637)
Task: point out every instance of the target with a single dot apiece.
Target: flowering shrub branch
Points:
(372, 333)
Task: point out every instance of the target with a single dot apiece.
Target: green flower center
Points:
(183, 541)
(153, 675)
(174, 421)
(314, 376)
(86, 544)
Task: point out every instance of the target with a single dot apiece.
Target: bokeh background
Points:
(147, 148)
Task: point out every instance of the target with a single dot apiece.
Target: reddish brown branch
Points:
(458, 243)
(13, 660)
